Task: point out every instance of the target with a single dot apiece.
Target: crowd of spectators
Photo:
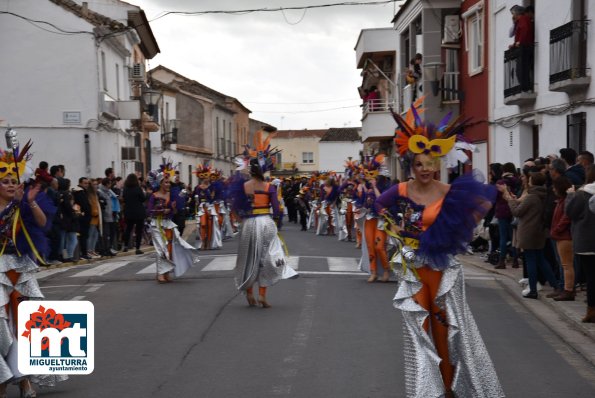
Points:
(99, 216)
(545, 216)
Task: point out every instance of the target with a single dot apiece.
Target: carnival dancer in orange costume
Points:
(314, 196)
(329, 193)
(432, 222)
(173, 253)
(24, 215)
(347, 195)
(207, 217)
(375, 238)
(359, 212)
(261, 258)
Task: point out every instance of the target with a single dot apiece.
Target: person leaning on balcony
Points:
(524, 37)
(373, 99)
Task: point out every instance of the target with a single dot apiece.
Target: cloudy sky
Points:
(292, 69)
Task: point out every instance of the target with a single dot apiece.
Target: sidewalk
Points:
(562, 317)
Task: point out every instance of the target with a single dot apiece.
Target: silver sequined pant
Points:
(474, 375)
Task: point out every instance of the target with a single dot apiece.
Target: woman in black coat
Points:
(134, 210)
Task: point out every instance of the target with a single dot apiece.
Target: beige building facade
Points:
(299, 150)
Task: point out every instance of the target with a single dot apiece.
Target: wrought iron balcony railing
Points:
(568, 51)
(518, 70)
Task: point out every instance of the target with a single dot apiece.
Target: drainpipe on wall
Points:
(87, 156)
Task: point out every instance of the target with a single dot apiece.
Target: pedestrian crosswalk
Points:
(208, 265)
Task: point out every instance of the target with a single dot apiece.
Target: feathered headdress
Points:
(18, 168)
(351, 168)
(166, 169)
(261, 151)
(203, 171)
(374, 166)
(413, 136)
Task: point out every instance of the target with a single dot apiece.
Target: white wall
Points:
(550, 14)
(46, 74)
(333, 155)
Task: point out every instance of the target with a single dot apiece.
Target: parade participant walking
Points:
(24, 215)
(329, 214)
(173, 252)
(209, 231)
(374, 237)
(434, 221)
(261, 258)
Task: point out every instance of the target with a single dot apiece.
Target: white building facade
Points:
(558, 112)
(337, 146)
(71, 93)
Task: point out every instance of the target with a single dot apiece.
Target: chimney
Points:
(85, 9)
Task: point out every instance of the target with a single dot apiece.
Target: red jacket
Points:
(524, 31)
(560, 229)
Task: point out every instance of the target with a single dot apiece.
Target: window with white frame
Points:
(474, 38)
(308, 157)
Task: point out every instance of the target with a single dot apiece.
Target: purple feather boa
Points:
(240, 203)
(38, 234)
(467, 201)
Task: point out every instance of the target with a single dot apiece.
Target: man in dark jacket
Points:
(79, 193)
(575, 172)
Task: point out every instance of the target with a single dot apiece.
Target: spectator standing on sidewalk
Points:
(504, 215)
(560, 233)
(95, 226)
(69, 222)
(583, 239)
(529, 209)
(585, 159)
(109, 227)
(79, 193)
(575, 172)
(134, 211)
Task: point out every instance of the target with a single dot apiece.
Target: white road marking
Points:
(342, 264)
(77, 298)
(479, 278)
(94, 288)
(331, 273)
(221, 264)
(63, 286)
(48, 272)
(149, 269)
(101, 269)
(293, 262)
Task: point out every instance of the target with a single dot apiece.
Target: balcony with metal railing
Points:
(377, 121)
(568, 57)
(450, 88)
(519, 76)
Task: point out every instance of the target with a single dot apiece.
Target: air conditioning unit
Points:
(130, 153)
(452, 29)
(137, 72)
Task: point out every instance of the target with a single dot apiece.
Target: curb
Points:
(145, 249)
(558, 319)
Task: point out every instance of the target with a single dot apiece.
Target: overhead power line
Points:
(38, 23)
(312, 111)
(300, 103)
(277, 9)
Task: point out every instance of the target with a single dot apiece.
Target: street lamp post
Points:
(151, 98)
(149, 123)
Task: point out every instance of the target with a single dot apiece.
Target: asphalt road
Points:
(328, 334)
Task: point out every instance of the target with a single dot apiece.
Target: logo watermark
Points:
(56, 337)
